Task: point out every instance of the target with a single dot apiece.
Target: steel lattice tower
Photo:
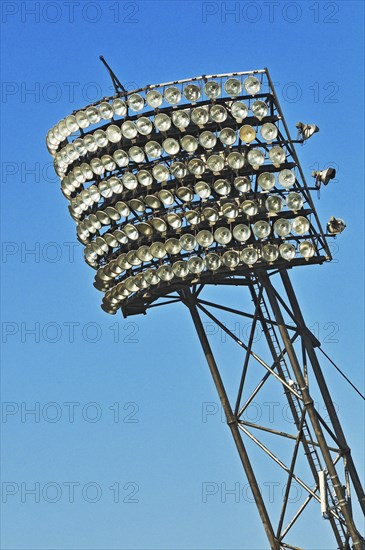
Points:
(195, 184)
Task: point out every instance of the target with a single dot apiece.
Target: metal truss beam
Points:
(292, 374)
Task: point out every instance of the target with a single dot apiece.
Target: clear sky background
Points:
(160, 450)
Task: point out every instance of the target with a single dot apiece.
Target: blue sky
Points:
(138, 388)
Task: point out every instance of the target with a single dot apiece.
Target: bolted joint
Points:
(231, 420)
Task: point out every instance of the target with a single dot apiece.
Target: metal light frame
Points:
(332, 472)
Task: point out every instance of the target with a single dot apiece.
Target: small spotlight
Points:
(335, 226)
(323, 176)
(305, 131)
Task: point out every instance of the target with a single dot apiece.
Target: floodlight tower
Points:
(180, 187)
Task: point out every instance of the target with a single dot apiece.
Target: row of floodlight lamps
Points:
(255, 157)
(142, 180)
(129, 130)
(196, 166)
(205, 211)
(136, 102)
(193, 197)
(194, 267)
(189, 244)
(131, 234)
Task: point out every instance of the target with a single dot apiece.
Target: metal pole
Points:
(231, 419)
(325, 392)
(357, 540)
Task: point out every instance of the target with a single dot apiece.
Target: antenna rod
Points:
(116, 82)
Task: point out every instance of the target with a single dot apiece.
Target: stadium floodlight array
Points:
(192, 180)
(197, 182)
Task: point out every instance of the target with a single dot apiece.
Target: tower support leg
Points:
(324, 390)
(189, 300)
(309, 404)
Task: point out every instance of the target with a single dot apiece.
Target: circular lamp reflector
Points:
(233, 87)
(247, 133)
(300, 225)
(154, 99)
(287, 251)
(274, 203)
(212, 262)
(286, 178)
(241, 232)
(204, 238)
(270, 253)
(252, 85)
(261, 229)
(282, 227)
(222, 235)
(172, 95)
(192, 92)
(294, 201)
(231, 259)
(266, 181)
(307, 249)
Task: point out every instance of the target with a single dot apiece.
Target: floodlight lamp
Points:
(181, 119)
(239, 110)
(259, 109)
(242, 184)
(135, 102)
(323, 176)
(335, 226)
(300, 225)
(282, 227)
(269, 132)
(233, 87)
(270, 252)
(188, 242)
(106, 110)
(231, 259)
(212, 89)
(204, 238)
(261, 229)
(207, 140)
(305, 131)
(172, 95)
(249, 208)
(165, 273)
(222, 187)
(180, 269)
(307, 250)
(256, 158)
(144, 126)
(119, 107)
(252, 85)
(227, 136)
(215, 163)
(178, 170)
(222, 235)
(247, 133)
(212, 262)
(196, 264)
(266, 181)
(241, 232)
(287, 251)
(172, 246)
(200, 116)
(273, 204)
(249, 256)
(162, 122)
(154, 99)
(192, 92)
(218, 113)
(294, 201)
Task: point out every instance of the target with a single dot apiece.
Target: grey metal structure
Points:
(195, 205)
